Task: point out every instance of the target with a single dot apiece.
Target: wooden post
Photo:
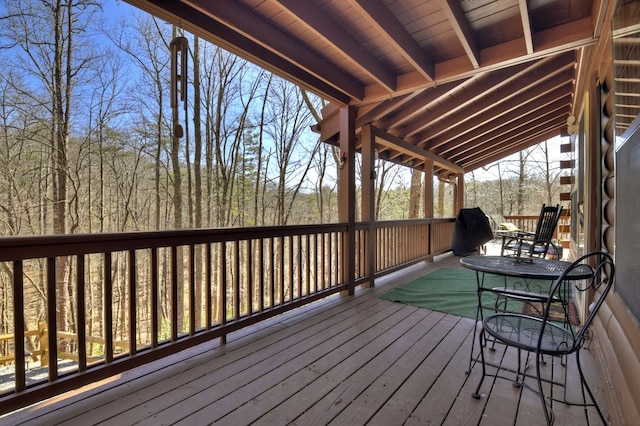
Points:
(459, 200)
(428, 188)
(346, 193)
(428, 203)
(368, 180)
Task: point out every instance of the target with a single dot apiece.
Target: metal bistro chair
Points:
(544, 336)
(535, 244)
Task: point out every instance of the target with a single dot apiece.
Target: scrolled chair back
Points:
(599, 271)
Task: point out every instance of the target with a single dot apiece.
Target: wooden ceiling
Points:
(470, 81)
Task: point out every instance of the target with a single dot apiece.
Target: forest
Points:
(89, 142)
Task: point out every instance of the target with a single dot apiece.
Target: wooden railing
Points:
(112, 302)
(529, 223)
(402, 243)
(524, 223)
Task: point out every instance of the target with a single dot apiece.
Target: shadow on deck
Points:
(343, 360)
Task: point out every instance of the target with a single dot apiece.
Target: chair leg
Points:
(476, 394)
(584, 386)
(520, 372)
(548, 412)
(473, 343)
(475, 327)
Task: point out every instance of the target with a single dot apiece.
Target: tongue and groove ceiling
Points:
(470, 81)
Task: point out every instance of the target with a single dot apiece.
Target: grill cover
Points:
(472, 230)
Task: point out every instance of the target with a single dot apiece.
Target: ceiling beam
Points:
(475, 88)
(384, 139)
(383, 20)
(531, 98)
(197, 23)
(563, 38)
(491, 101)
(494, 133)
(493, 129)
(376, 112)
(518, 135)
(517, 144)
(420, 103)
(315, 20)
(526, 26)
(270, 38)
(458, 21)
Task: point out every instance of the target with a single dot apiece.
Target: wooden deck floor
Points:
(343, 361)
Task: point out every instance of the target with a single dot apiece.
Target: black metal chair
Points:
(536, 244)
(544, 336)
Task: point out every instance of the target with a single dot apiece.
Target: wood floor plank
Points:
(405, 398)
(213, 402)
(441, 396)
(184, 384)
(332, 373)
(359, 353)
(104, 401)
(365, 406)
(504, 399)
(339, 363)
(341, 397)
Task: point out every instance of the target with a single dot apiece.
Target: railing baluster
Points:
(249, 272)
(52, 307)
(308, 263)
(192, 290)
(261, 274)
(272, 268)
(223, 288)
(281, 273)
(133, 303)
(174, 294)
(299, 263)
(323, 261)
(155, 295)
(18, 325)
(208, 283)
(290, 280)
(235, 262)
(314, 263)
(81, 313)
(108, 308)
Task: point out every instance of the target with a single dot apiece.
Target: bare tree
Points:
(289, 120)
(550, 175)
(145, 41)
(48, 35)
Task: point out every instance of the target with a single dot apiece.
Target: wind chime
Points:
(179, 47)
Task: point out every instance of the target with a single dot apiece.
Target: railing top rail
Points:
(42, 246)
(405, 222)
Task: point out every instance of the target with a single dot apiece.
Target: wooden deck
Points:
(344, 361)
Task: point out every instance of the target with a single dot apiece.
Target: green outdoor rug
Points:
(452, 291)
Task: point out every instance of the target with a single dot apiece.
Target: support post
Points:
(346, 193)
(459, 195)
(368, 179)
(428, 188)
(428, 202)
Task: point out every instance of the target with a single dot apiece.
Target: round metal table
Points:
(536, 269)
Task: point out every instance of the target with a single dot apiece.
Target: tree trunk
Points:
(415, 194)
(200, 285)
